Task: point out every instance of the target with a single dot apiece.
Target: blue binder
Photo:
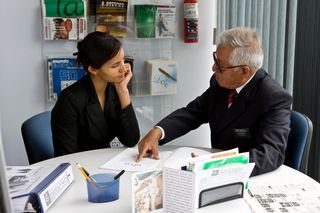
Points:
(49, 189)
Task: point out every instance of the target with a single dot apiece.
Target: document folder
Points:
(46, 192)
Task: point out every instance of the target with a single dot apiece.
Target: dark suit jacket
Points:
(79, 124)
(258, 120)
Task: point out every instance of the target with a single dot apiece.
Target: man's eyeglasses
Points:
(221, 68)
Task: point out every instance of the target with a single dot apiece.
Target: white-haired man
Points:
(243, 105)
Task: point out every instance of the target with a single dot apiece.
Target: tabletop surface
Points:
(75, 198)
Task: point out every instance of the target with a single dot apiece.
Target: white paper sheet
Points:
(127, 160)
(182, 156)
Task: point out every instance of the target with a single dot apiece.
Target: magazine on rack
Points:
(62, 72)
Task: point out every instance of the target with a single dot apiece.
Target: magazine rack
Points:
(61, 42)
(149, 108)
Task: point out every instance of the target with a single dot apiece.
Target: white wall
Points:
(195, 62)
(22, 75)
(22, 91)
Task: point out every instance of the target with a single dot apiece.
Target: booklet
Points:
(147, 191)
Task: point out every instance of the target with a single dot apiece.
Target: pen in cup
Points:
(87, 173)
(118, 175)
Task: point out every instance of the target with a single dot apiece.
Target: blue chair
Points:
(299, 141)
(37, 137)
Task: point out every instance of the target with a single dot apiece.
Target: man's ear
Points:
(246, 73)
(92, 70)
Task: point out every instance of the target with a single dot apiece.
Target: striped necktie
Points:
(231, 96)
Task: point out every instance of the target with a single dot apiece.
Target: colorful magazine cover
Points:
(111, 17)
(64, 8)
(165, 19)
(62, 72)
(58, 28)
(64, 19)
(145, 20)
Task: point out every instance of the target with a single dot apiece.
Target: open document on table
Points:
(126, 160)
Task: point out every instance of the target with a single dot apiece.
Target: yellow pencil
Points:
(83, 172)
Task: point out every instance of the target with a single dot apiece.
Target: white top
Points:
(75, 198)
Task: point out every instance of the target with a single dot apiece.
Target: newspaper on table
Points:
(298, 197)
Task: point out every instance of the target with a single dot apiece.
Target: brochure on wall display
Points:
(154, 21)
(62, 72)
(57, 28)
(111, 16)
(162, 76)
(145, 21)
(298, 197)
(37, 187)
(165, 22)
(64, 19)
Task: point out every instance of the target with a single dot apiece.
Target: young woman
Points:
(97, 108)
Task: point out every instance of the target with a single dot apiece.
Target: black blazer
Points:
(258, 120)
(79, 124)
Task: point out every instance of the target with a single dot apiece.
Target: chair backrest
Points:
(37, 137)
(299, 141)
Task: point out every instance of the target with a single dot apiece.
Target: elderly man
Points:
(244, 106)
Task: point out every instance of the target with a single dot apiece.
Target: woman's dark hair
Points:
(96, 49)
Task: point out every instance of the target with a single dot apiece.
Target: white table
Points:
(75, 199)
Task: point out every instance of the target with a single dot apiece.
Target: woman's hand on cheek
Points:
(127, 77)
(128, 73)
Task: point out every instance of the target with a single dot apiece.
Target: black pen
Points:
(118, 175)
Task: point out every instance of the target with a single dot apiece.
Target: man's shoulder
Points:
(270, 90)
(269, 84)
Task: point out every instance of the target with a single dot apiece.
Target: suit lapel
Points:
(241, 101)
(232, 113)
(94, 112)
